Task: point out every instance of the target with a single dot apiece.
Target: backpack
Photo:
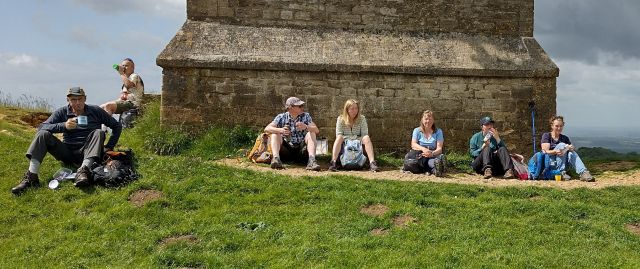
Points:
(411, 162)
(519, 167)
(116, 170)
(353, 156)
(540, 167)
(261, 151)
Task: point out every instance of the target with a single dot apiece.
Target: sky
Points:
(49, 46)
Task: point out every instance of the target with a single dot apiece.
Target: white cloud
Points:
(19, 60)
(166, 8)
(599, 94)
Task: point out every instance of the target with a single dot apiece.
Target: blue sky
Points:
(49, 46)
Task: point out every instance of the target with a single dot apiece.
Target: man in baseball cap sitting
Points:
(82, 139)
(293, 136)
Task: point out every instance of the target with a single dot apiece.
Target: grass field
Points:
(213, 216)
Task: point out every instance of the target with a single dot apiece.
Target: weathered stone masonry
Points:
(235, 62)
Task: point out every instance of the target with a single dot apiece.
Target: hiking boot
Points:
(438, 167)
(313, 165)
(488, 173)
(508, 174)
(83, 177)
(587, 177)
(276, 163)
(565, 176)
(29, 180)
(333, 167)
(373, 166)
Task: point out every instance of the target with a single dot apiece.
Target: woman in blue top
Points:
(427, 142)
(558, 147)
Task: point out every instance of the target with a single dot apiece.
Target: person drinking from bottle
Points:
(131, 91)
(489, 152)
(559, 149)
(293, 136)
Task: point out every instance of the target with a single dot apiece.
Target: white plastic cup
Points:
(58, 177)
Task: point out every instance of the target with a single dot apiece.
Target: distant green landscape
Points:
(206, 215)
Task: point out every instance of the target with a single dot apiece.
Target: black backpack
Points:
(117, 169)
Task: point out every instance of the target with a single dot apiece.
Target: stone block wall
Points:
(484, 17)
(392, 103)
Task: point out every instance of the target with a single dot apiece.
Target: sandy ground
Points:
(607, 179)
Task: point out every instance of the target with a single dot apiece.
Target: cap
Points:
(486, 120)
(293, 101)
(75, 91)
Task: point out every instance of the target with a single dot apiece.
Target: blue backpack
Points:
(353, 156)
(540, 167)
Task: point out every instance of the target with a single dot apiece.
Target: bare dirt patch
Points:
(187, 238)
(376, 210)
(606, 179)
(35, 118)
(403, 221)
(633, 228)
(536, 198)
(142, 197)
(379, 232)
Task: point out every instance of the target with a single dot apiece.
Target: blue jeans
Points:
(571, 157)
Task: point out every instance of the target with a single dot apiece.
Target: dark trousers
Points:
(499, 161)
(70, 154)
(294, 153)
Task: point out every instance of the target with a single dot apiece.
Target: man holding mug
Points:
(82, 139)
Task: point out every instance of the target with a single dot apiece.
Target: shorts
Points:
(294, 153)
(124, 105)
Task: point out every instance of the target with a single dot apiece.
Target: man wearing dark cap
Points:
(82, 139)
(490, 155)
(293, 136)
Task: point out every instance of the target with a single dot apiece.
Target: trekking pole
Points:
(532, 107)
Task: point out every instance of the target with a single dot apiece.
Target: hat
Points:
(293, 101)
(75, 91)
(486, 120)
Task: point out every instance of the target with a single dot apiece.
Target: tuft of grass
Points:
(24, 101)
(214, 143)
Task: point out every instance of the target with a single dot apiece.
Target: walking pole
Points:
(532, 107)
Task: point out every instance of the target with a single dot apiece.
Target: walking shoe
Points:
(333, 167)
(565, 176)
(83, 177)
(313, 165)
(438, 167)
(587, 177)
(29, 180)
(276, 163)
(487, 173)
(508, 174)
(373, 166)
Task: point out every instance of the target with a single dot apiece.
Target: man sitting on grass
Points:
(82, 142)
(293, 136)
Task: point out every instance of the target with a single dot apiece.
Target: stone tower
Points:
(236, 61)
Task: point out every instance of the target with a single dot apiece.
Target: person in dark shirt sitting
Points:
(560, 149)
(82, 139)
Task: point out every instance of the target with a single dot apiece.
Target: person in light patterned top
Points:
(293, 136)
(352, 125)
(131, 92)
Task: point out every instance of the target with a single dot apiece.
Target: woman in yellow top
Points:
(351, 125)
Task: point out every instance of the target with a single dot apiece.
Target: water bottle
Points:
(287, 138)
(488, 136)
(116, 67)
